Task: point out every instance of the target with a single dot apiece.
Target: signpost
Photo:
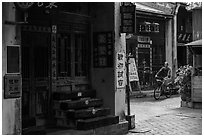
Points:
(130, 118)
(128, 25)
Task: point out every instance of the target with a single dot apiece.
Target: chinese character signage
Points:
(12, 86)
(133, 75)
(148, 27)
(143, 45)
(143, 39)
(128, 18)
(184, 37)
(24, 6)
(103, 49)
(120, 70)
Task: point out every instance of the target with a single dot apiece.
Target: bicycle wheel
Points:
(168, 91)
(157, 92)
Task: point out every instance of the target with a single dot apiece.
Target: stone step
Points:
(80, 104)
(74, 95)
(28, 122)
(65, 123)
(120, 128)
(87, 113)
(34, 131)
(96, 122)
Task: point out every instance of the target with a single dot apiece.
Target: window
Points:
(64, 54)
(81, 62)
(72, 55)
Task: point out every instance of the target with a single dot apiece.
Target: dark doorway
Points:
(181, 55)
(35, 78)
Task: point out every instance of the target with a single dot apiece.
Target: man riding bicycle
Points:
(164, 74)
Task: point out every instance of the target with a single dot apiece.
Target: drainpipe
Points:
(174, 43)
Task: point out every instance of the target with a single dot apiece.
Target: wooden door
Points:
(35, 78)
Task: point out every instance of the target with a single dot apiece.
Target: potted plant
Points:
(184, 80)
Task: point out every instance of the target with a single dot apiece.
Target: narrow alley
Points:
(165, 117)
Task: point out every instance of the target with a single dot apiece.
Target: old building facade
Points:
(51, 48)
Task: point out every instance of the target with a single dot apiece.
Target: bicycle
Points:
(162, 89)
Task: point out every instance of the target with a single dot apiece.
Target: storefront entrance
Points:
(144, 65)
(72, 69)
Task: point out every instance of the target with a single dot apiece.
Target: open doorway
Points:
(35, 78)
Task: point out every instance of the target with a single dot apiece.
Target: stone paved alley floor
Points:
(164, 117)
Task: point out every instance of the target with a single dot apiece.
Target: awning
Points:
(195, 46)
(151, 7)
(148, 9)
(195, 43)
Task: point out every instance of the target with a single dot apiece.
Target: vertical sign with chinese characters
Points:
(120, 70)
(53, 56)
(128, 18)
(103, 49)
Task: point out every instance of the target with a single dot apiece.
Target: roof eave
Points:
(143, 12)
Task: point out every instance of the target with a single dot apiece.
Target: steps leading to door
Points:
(74, 95)
(81, 110)
(81, 103)
(96, 122)
(88, 113)
(120, 128)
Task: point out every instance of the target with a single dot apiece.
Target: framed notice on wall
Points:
(12, 86)
(103, 49)
(13, 59)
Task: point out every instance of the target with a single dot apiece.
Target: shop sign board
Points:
(143, 45)
(133, 75)
(128, 18)
(143, 39)
(184, 37)
(120, 70)
(103, 49)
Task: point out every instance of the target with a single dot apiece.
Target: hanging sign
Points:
(120, 70)
(133, 75)
(128, 18)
